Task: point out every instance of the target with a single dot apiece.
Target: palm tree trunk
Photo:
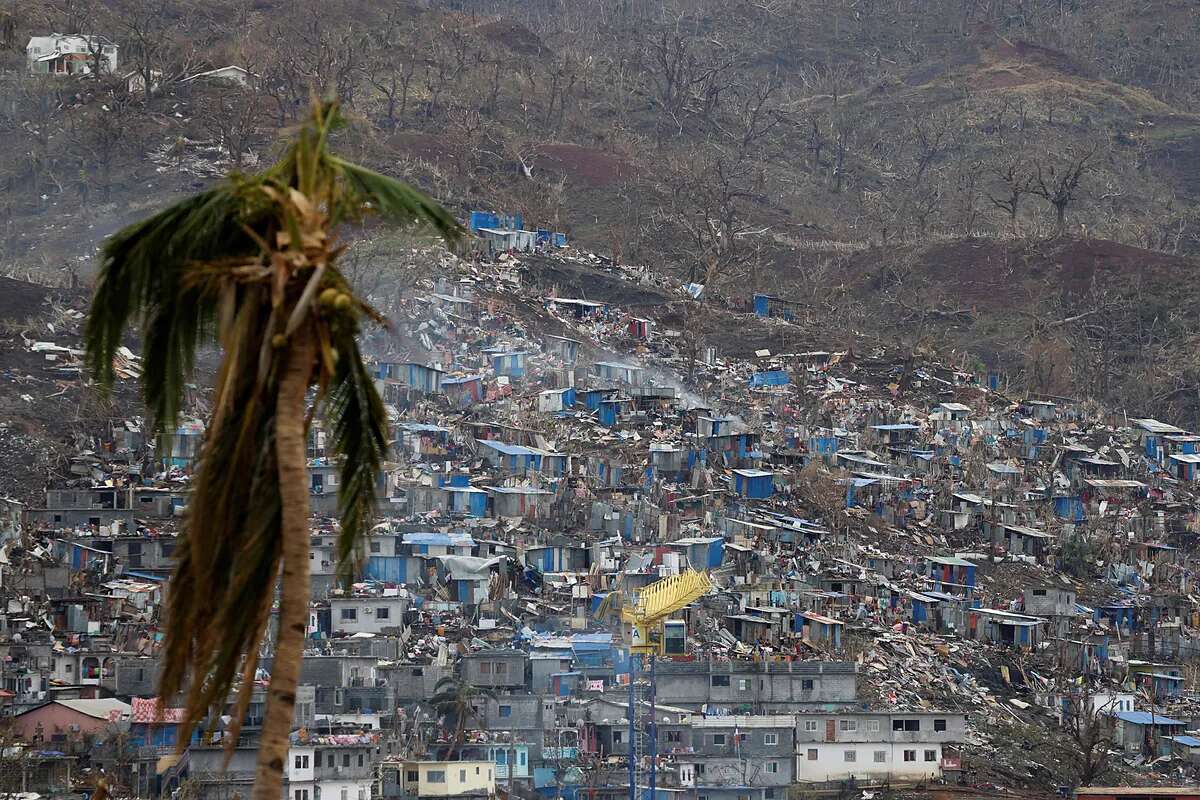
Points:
(294, 589)
(459, 733)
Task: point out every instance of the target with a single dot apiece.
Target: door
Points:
(830, 730)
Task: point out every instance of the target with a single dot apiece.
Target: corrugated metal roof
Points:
(1145, 718)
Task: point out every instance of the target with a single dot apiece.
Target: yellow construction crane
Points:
(647, 618)
(656, 602)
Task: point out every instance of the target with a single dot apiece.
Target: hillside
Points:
(791, 145)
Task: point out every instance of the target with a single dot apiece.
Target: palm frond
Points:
(358, 423)
(141, 273)
(393, 200)
(223, 586)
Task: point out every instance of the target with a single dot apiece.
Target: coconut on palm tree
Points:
(457, 702)
(252, 265)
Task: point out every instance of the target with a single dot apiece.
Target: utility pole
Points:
(633, 665)
(653, 730)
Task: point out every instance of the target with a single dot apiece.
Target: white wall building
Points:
(881, 746)
(70, 54)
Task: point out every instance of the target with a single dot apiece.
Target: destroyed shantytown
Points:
(852, 569)
(776, 401)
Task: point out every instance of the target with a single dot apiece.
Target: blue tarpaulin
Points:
(775, 377)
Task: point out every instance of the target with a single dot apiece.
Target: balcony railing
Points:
(559, 753)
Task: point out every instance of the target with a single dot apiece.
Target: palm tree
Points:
(454, 698)
(252, 264)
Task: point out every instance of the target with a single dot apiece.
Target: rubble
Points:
(893, 541)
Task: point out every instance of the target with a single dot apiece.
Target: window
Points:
(806, 684)
(743, 684)
(810, 725)
(301, 794)
(522, 758)
(360, 759)
(301, 762)
(383, 612)
(332, 759)
(435, 776)
(462, 776)
(618, 737)
(812, 754)
(910, 755)
(850, 756)
(770, 739)
(506, 711)
(345, 759)
(376, 547)
(699, 769)
(773, 767)
(847, 725)
(906, 724)
(500, 668)
(939, 724)
(931, 755)
(720, 680)
(345, 794)
(485, 668)
(718, 739)
(674, 737)
(1039, 592)
(413, 776)
(477, 770)
(873, 726)
(349, 615)
(362, 793)
(769, 794)
(880, 756)
(741, 738)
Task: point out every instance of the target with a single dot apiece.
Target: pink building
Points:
(69, 719)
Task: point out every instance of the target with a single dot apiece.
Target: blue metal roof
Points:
(439, 539)
(146, 576)
(422, 427)
(509, 449)
(1186, 741)
(1146, 718)
(463, 379)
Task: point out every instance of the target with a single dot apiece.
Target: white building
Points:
(331, 768)
(875, 746)
(230, 74)
(367, 614)
(70, 54)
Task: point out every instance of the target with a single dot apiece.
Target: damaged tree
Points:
(1089, 728)
(253, 264)
(1058, 184)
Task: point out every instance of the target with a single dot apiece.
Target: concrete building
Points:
(447, 779)
(765, 687)
(875, 747)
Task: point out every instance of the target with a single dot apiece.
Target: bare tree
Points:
(1015, 182)
(1089, 727)
(391, 63)
(231, 116)
(1057, 181)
